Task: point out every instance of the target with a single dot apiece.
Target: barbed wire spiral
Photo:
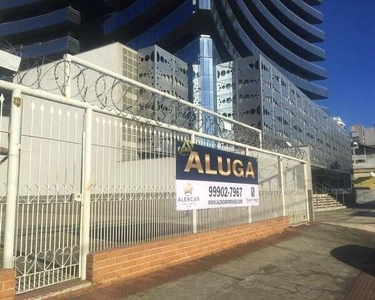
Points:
(128, 99)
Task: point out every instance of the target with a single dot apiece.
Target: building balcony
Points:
(54, 48)
(313, 2)
(164, 27)
(249, 31)
(304, 11)
(237, 49)
(62, 19)
(11, 4)
(282, 34)
(144, 13)
(11, 10)
(293, 22)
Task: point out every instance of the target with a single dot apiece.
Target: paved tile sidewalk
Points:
(320, 261)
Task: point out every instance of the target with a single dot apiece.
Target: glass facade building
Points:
(200, 32)
(207, 38)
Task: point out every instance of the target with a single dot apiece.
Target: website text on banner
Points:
(211, 178)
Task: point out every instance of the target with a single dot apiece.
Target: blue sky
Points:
(349, 28)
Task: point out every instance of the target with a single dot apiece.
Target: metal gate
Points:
(48, 218)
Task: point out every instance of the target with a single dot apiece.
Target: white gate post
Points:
(86, 205)
(247, 153)
(13, 178)
(192, 138)
(281, 176)
(306, 190)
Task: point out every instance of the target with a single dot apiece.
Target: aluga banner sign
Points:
(210, 178)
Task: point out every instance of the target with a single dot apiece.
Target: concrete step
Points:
(320, 195)
(329, 205)
(329, 208)
(322, 202)
(323, 197)
(326, 201)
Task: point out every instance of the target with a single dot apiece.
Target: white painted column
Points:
(195, 212)
(86, 205)
(282, 182)
(13, 178)
(247, 153)
(307, 178)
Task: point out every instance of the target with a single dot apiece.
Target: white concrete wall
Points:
(108, 57)
(369, 136)
(365, 196)
(369, 161)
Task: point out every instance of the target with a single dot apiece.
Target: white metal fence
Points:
(86, 178)
(47, 245)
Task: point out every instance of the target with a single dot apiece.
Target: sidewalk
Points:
(360, 218)
(320, 261)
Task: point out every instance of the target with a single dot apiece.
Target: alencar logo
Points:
(186, 148)
(188, 190)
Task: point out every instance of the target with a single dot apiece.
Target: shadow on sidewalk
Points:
(361, 213)
(359, 257)
(152, 280)
(368, 205)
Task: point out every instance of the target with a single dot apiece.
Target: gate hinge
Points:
(76, 197)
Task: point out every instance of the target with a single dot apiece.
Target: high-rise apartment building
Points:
(362, 135)
(203, 33)
(357, 133)
(204, 36)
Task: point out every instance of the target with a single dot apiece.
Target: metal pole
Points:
(195, 221)
(306, 191)
(85, 242)
(281, 174)
(247, 153)
(192, 138)
(13, 178)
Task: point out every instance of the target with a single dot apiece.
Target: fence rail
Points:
(95, 174)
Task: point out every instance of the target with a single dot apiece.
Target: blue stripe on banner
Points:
(195, 162)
